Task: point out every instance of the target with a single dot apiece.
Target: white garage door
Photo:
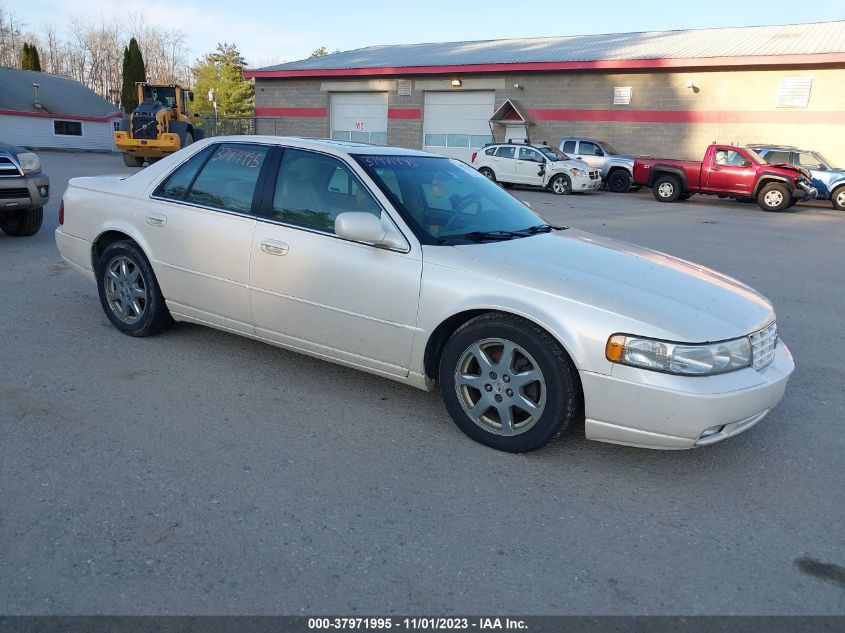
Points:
(457, 123)
(360, 117)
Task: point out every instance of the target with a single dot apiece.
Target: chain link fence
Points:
(226, 126)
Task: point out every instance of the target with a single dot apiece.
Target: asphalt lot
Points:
(197, 472)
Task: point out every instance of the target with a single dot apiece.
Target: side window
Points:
(776, 156)
(730, 158)
(568, 147)
(313, 189)
(505, 152)
(529, 154)
(175, 186)
(490, 151)
(227, 181)
(590, 149)
(809, 160)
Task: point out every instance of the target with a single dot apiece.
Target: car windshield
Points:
(552, 154)
(823, 160)
(609, 148)
(446, 201)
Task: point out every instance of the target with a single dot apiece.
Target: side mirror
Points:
(358, 226)
(819, 167)
(598, 152)
(745, 163)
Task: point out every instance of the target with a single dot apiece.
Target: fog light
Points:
(712, 430)
(43, 191)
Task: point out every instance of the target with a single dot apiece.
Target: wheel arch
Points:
(436, 341)
(768, 178)
(110, 236)
(666, 170)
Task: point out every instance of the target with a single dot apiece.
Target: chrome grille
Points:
(763, 343)
(17, 192)
(594, 175)
(8, 167)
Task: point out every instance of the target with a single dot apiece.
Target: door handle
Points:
(272, 247)
(715, 169)
(155, 219)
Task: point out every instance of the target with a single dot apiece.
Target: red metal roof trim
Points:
(56, 115)
(621, 64)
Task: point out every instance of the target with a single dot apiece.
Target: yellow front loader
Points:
(158, 126)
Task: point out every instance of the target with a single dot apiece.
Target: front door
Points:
(530, 167)
(732, 172)
(313, 291)
(197, 230)
(591, 153)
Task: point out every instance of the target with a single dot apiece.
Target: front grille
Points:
(144, 127)
(763, 343)
(594, 174)
(8, 168)
(21, 192)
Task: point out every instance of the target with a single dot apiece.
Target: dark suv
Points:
(24, 190)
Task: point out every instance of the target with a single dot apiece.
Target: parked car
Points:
(535, 165)
(827, 179)
(727, 171)
(617, 170)
(415, 267)
(24, 190)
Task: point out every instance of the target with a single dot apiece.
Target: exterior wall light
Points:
(457, 83)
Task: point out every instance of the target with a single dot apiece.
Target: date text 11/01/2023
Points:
(417, 624)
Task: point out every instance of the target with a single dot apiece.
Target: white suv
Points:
(537, 165)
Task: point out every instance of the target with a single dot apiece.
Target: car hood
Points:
(570, 164)
(793, 168)
(670, 297)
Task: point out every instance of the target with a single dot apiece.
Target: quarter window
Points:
(490, 151)
(175, 187)
(313, 189)
(227, 181)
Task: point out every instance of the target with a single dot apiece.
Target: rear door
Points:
(731, 172)
(503, 163)
(197, 229)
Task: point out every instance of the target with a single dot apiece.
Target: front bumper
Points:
(585, 182)
(805, 191)
(24, 192)
(654, 410)
(167, 143)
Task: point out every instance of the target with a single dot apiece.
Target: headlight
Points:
(576, 172)
(679, 358)
(29, 162)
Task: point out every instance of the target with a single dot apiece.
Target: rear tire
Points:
(619, 181)
(129, 291)
(774, 197)
(667, 188)
(130, 160)
(22, 224)
(560, 185)
(488, 174)
(837, 198)
(537, 374)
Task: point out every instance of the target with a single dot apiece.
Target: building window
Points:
(67, 128)
(794, 92)
(622, 95)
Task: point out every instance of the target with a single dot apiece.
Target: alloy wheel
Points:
(126, 290)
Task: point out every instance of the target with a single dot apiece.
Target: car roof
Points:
(331, 145)
(791, 148)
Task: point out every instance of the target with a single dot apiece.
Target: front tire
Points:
(837, 198)
(22, 224)
(129, 292)
(667, 188)
(508, 384)
(130, 160)
(774, 197)
(561, 185)
(619, 181)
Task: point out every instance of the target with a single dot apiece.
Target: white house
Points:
(46, 111)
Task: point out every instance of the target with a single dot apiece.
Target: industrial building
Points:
(659, 93)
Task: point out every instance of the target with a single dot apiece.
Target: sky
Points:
(269, 32)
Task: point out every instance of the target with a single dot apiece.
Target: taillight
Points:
(61, 212)
(474, 154)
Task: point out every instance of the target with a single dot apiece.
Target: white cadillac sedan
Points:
(417, 268)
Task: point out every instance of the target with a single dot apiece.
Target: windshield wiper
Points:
(500, 235)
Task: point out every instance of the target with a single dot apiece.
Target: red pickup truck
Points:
(727, 171)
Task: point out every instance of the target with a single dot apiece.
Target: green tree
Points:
(29, 58)
(223, 72)
(133, 72)
(320, 52)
